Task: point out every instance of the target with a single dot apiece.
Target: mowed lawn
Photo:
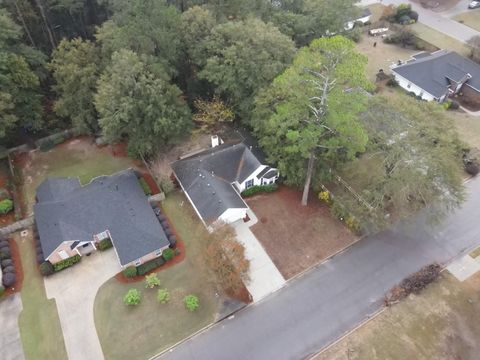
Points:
(297, 237)
(139, 332)
(438, 39)
(78, 157)
(468, 126)
(442, 322)
(39, 323)
(470, 18)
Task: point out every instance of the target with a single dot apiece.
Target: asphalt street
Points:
(312, 311)
(439, 21)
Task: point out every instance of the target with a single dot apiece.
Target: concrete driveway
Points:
(265, 278)
(74, 290)
(10, 342)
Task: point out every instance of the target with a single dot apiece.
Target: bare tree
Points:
(474, 44)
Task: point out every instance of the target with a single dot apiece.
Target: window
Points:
(408, 86)
(158, 252)
(249, 184)
(138, 262)
(102, 235)
(63, 254)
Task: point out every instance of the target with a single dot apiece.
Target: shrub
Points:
(5, 255)
(104, 244)
(6, 206)
(52, 141)
(353, 224)
(151, 281)
(339, 211)
(46, 268)
(325, 196)
(413, 15)
(145, 187)
(472, 169)
(173, 240)
(9, 269)
(454, 105)
(8, 279)
(66, 263)
(163, 296)
(191, 302)
(404, 19)
(7, 262)
(150, 265)
(392, 82)
(404, 38)
(132, 297)
(259, 189)
(166, 184)
(130, 272)
(168, 254)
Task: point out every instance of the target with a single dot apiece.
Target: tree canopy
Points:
(309, 115)
(413, 162)
(75, 68)
(132, 101)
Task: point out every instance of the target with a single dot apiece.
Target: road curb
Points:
(359, 325)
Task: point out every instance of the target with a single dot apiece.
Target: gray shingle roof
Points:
(432, 72)
(207, 177)
(116, 203)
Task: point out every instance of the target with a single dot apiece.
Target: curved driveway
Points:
(312, 311)
(74, 290)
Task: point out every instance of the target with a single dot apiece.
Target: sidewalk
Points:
(264, 275)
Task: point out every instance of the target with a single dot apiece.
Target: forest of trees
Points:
(135, 68)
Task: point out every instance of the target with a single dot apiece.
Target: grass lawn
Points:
(470, 18)
(78, 157)
(142, 331)
(381, 56)
(439, 39)
(39, 323)
(440, 323)
(468, 127)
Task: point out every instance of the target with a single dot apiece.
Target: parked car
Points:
(474, 4)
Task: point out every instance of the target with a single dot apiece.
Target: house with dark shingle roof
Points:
(213, 179)
(438, 75)
(71, 219)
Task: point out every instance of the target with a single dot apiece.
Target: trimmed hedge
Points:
(130, 272)
(145, 187)
(46, 268)
(8, 279)
(104, 244)
(168, 254)
(150, 265)
(6, 206)
(67, 263)
(259, 189)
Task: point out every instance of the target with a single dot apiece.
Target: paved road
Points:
(314, 310)
(439, 21)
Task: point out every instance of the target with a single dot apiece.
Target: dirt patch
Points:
(297, 237)
(437, 5)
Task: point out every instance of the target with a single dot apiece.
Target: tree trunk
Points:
(25, 27)
(308, 180)
(47, 26)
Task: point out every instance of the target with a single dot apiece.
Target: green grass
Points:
(80, 158)
(470, 18)
(139, 332)
(439, 39)
(39, 323)
(468, 126)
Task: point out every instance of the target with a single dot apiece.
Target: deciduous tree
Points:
(211, 114)
(243, 57)
(75, 68)
(132, 102)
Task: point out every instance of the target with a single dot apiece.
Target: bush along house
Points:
(74, 220)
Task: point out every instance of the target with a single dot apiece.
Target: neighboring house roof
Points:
(115, 203)
(434, 72)
(207, 178)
